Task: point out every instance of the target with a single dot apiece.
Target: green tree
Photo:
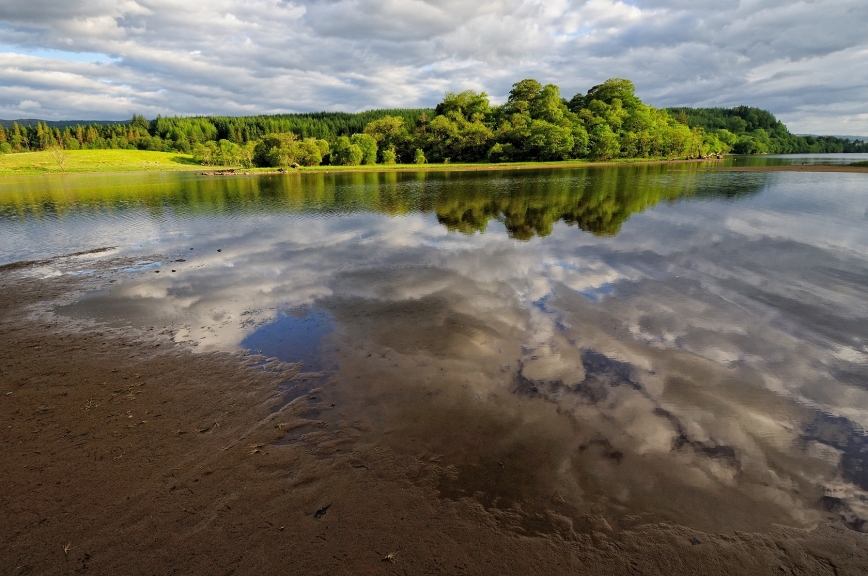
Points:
(603, 143)
(549, 141)
(247, 152)
(368, 145)
(468, 104)
(388, 132)
(345, 153)
(524, 91)
(203, 154)
(140, 123)
(306, 152)
(229, 154)
(274, 150)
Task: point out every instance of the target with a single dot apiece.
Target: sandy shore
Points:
(124, 453)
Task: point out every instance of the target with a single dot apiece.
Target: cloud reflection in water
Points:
(702, 361)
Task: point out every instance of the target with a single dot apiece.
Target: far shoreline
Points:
(139, 162)
(537, 165)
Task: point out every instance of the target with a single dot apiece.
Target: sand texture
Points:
(125, 453)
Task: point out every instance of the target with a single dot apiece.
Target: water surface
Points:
(642, 343)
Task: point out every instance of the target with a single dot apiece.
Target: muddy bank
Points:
(125, 453)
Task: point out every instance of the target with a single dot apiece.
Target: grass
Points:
(862, 163)
(144, 161)
(95, 161)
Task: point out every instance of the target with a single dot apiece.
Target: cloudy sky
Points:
(806, 61)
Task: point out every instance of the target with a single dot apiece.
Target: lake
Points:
(651, 343)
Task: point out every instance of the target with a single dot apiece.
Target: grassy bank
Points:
(144, 161)
(95, 161)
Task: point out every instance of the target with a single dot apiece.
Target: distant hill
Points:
(751, 130)
(59, 123)
(848, 138)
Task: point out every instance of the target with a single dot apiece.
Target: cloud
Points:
(110, 58)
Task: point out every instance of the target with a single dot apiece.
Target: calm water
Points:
(644, 343)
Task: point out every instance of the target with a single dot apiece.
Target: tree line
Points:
(536, 123)
(754, 131)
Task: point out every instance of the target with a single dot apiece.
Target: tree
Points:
(468, 104)
(388, 132)
(549, 141)
(205, 154)
(609, 91)
(274, 150)
(603, 143)
(307, 152)
(419, 157)
(368, 145)
(140, 124)
(59, 156)
(524, 91)
(229, 154)
(246, 153)
(548, 105)
(323, 146)
(345, 153)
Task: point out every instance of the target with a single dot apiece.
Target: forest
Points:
(536, 123)
(757, 131)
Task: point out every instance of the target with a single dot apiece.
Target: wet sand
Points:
(126, 453)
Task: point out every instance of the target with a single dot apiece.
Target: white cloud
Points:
(802, 60)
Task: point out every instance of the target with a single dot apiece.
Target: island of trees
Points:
(536, 123)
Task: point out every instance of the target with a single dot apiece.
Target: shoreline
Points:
(457, 167)
(124, 452)
(482, 167)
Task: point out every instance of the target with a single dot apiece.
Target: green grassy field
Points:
(863, 163)
(144, 161)
(95, 161)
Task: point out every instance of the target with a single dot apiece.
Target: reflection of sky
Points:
(701, 361)
(295, 336)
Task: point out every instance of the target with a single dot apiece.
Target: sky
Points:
(805, 61)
